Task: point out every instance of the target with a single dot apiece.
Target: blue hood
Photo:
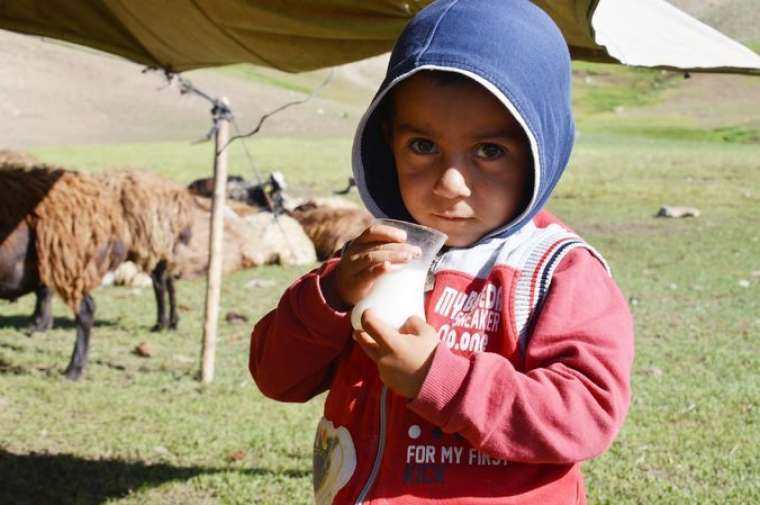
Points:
(514, 50)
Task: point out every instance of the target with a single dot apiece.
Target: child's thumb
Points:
(414, 325)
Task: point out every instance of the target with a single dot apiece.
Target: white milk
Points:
(395, 296)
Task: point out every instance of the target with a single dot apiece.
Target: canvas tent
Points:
(297, 35)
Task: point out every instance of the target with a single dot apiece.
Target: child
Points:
(521, 371)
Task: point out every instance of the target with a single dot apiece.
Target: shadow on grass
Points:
(52, 369)
(7, 368)
(42, 479)
(23, 322)
(49, 369)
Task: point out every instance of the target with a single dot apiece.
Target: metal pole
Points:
(214, 279)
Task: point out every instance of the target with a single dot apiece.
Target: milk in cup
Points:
(400, 293)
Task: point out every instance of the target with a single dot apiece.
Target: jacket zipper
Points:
(383, 396)
(380, 448)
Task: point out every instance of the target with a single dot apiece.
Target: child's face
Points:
(464, 163)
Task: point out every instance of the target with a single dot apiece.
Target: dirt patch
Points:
(710, 101)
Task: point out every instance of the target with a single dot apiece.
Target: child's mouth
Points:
(452, 219)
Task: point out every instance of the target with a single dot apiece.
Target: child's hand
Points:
(367, 257)
(402, 357)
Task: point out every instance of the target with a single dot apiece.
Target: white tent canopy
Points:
(653, 33)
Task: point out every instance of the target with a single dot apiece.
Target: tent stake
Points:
(214, 278)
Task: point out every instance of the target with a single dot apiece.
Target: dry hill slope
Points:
(53, 93)
(739, 19)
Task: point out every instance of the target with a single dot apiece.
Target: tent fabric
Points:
(290, 35)
(296, 35)
(653, 33)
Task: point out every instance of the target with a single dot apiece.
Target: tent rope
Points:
(263, 118)
(275, 211)
(220, 111)
(243, 137)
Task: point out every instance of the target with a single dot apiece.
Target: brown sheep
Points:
(159, 216)
(62, 230)
(330, 227)
(54, 224)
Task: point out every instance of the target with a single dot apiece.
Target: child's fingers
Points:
(415, 325)
(377, 329)
(375, 252)
(368, 345)
(382, 233)
(374, 258)
(371, 273)
(383, 254)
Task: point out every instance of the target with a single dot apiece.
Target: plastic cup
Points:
(400, 293)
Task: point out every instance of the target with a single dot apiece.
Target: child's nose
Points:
(452, 184)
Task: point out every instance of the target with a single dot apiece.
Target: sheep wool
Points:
(158, 214)
(77, 225)
(330, 228)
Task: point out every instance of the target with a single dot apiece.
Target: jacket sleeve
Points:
(295, 346)
(570, 402)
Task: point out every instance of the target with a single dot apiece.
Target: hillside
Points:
(739, 19)
(55, 93)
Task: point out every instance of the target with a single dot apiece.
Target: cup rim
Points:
(391, 221)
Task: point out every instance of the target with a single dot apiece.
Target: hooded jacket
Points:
(531, 376)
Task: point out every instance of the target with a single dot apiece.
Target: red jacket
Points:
(531, 378)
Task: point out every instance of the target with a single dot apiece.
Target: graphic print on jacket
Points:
(467, 316)
(334, 461)
(470, 315)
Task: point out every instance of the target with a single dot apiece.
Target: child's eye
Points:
(423, 146)
(489, 151)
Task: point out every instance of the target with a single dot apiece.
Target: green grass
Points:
(599, 88)
(728, 135)
(143, 430)
(311, 166)
(693, 428)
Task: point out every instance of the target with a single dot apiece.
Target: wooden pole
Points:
(214, 278)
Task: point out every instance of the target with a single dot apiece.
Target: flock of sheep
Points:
(62, 231)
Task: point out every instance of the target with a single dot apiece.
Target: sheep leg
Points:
(158, 276)
(84, 319)
(42, 319)
(173, 317)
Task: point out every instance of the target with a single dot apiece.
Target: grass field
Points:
(144, 431)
